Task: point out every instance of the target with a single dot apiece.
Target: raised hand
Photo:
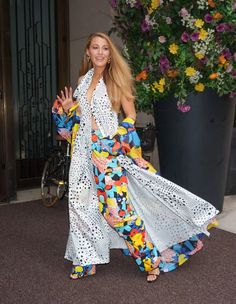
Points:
(66, 99)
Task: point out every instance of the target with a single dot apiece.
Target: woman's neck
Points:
(98, 72)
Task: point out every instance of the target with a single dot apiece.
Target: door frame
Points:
(8, 164)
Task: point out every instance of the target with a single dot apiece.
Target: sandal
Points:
(79, 272)
(153, 275)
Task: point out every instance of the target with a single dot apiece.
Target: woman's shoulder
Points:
(77, 90)
(80, 79)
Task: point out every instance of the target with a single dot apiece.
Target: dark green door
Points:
(34, 84)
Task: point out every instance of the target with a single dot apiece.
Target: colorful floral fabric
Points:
(114, 203)
(67, 124)
(115, 206)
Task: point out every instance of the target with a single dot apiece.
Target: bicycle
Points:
(54, 181)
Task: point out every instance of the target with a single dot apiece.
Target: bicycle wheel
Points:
(52, 179)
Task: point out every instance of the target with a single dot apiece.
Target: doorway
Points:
(38, 36)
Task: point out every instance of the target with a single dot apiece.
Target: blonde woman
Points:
(116, 198)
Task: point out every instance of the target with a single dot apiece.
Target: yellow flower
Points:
(203, 34)
(159, 86)
(190, 71)
(173, 48)
(155, 84)
(162, 81)
(199, 55)
(199, 23)
(154, 5)
(199, 87)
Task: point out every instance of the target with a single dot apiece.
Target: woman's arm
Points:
(128, 108)
(65, 113)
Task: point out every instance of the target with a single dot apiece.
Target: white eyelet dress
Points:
(170, 213)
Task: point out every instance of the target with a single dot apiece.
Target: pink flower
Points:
(184, 12)
(233, 73)
(183, 108)
(162, 39)
(234, 56)
(164, 64)
(185, 37)
(194, 36)
(113, 3)
(168, 20)
(226, 54)
(208, 18)
(229, 68)
(146, 24)
(224, 27)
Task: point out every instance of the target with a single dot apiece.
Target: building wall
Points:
(86, 17)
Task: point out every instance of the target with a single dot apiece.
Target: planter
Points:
(194, 147)
(231, 179)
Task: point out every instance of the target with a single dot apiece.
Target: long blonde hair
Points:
(117, 75)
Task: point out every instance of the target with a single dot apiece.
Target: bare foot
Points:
(153, 275)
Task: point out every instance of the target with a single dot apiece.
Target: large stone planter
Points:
(194, 147)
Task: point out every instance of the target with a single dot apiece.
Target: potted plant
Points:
(183, 57)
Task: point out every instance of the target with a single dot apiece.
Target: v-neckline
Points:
(90, 101)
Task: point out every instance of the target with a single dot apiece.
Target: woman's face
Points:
(99, 52)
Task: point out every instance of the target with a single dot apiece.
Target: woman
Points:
(117, 199)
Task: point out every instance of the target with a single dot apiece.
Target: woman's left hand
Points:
(66, 99)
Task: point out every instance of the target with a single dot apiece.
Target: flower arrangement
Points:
(178, 47)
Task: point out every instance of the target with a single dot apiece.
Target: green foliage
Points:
(163, 39)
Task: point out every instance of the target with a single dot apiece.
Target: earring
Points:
(88, 59)
(109, 61)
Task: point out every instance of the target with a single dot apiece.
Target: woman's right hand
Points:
(66, 99)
